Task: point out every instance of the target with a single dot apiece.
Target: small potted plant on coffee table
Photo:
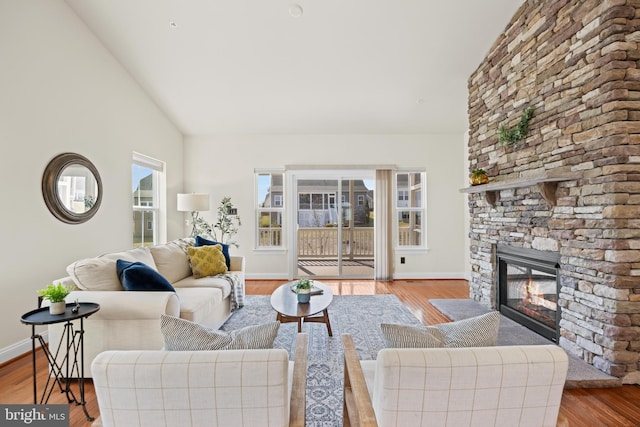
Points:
(303, 289)
(56, 295)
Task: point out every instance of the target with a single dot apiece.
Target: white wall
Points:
(60, 90)
(224, 166)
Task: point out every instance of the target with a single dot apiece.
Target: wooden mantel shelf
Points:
(547, 185)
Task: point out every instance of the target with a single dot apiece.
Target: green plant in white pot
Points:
(303, 289)
(56, 295)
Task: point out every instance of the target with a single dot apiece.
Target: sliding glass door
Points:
(334, 224)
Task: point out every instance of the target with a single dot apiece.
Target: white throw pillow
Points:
(172, 260)
(99, 274)
(405, 336)
(95, 274)
(479, 331)
(184, 335)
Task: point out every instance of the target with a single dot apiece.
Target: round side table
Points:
(71, 344)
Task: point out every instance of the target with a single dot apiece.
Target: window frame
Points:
(278, 207)
(158, 206)
(403, 195)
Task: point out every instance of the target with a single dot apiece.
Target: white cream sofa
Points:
(466, 386)
(202, 388)
(130, 320)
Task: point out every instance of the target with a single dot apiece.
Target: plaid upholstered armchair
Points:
(201, 388)
(473, 386)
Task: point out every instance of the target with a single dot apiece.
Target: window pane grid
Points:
(410, 209)
(144, 233)
(270, 210)
(145, 199)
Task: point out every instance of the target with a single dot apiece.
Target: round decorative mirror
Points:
(72, 188)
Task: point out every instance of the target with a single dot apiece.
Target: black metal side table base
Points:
(71, 344)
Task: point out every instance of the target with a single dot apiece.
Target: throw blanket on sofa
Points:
(237, 293)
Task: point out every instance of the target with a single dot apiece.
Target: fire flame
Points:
(536, 297)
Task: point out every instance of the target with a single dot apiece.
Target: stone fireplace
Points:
(571, 188)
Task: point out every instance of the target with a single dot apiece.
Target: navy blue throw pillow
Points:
(137, 276)
(201, 241)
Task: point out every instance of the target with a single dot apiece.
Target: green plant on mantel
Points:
(512, 136)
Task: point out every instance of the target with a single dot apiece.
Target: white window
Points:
(403, 198)
(360, 200)
(410, 208)
(146, 182)
(269, 209)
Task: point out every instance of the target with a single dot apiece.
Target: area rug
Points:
(358, 315)
(580, 374)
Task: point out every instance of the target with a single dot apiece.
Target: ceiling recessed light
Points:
(172, 24)
(420, 101)
(296, 10)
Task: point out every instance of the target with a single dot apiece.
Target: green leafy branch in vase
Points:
(512, 136)
(227, 223)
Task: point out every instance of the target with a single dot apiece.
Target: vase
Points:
(479, 179)
(304, 298)
(57, 307)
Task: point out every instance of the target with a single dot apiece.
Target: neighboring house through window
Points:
(410, 208)
(270, 204)
(146, 182)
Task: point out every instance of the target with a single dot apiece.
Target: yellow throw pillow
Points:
(206, 261)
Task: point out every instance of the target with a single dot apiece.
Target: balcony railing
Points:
(322, 242)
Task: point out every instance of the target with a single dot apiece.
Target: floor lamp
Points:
(194, 203)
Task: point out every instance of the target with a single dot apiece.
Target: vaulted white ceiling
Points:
(302, 66)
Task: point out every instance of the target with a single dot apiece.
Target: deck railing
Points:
(322, 242)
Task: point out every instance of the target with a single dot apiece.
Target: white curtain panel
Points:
(383, 212)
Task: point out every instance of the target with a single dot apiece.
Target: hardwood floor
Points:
(580, 407)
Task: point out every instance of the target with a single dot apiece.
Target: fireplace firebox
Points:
(528, 285)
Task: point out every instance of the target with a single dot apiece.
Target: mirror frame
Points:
(50, 179)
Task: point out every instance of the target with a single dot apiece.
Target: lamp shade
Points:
(193, 202)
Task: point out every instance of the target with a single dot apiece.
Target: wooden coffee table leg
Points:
(326, 320)
(287, 319)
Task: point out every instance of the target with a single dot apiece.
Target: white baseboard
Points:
(18, 349)
(404, 276)
(262, 276)
(417, 276)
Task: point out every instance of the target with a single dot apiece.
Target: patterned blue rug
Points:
(358, 315)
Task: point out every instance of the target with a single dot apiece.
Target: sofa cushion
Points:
(206, 261)
(181, 334)
(172, 260)
(99, 273)
(201, 241)
(479, 331)
(205, 282)
(199, 304)
(142, 254)
(136, 276)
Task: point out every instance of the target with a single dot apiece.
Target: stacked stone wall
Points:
(577, 62)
